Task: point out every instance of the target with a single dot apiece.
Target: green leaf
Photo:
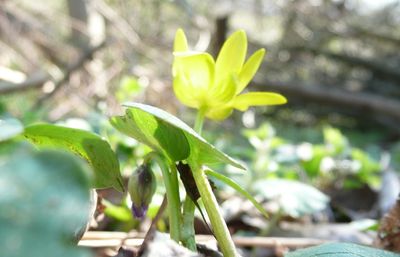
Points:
(341, 250)
(335, 139)
(244, 101)
(238, 188)
(249, 69)
(294, 198)
(10, 128)
(168, 135)
(44, 204)
(91, 147)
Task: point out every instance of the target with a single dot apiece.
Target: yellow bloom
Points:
(215, 87)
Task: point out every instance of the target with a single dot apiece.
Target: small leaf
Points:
(294, 198)
(249, 69)
(167, 134)
(340, 250)
(10, 128)
(244, 101)
(91, 147)
(238, 188)
(44, 202)
(231, 57)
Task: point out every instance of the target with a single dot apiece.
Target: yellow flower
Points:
(215, 87)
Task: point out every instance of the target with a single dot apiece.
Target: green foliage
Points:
(91, 147)
(340, 250)
(39, 217)
(168, 135)
(294, 198)
(333, 159)
(238, 188)
(128, 88)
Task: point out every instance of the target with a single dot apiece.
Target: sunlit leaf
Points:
(44, 202)
(167, 134)
(340, 250)
(294, 198)
(91, 147)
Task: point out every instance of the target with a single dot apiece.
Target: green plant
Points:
(214, 88)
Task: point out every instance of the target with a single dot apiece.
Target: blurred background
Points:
(337, 61)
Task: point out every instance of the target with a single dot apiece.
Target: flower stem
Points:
(219, 227)
(188, 233)
(171, 185)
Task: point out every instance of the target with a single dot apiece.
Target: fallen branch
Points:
(99, 239)
(364, 103)
(38, 80)
(379, 69)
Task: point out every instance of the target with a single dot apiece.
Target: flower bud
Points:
(141, 188)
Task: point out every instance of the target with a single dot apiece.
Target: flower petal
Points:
(219, 114)
(243, 101)
(193, 73)
(180, 42)
(184, 91)
(231, 57)
(223, 92)
(249, 69)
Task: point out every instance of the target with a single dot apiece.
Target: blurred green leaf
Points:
(10, 128)
(340, 250)
(168, 135)
(91, 147)
(335, 139)
(121, 213)
(44, 204)
(294, 198)
(128, 88)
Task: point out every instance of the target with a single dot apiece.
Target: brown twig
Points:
(98, 239)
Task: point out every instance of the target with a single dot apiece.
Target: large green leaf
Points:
(95, 150)
(168, 135)
(340, 250)
(294, 198)
(44, 202)
(9, 128)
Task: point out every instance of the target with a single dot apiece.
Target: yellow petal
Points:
(249, 69)
(243, 101)
(231, 57)
(219, 114)
(193, 73)
(180, 42)
(184, 92)
(223, 92)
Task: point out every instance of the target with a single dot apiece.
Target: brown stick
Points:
(36, 81)
(98, 239)
(361, 102)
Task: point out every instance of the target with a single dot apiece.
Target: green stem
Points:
(198, 125)
(219, 227)
(188, 233)
(172, 188)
